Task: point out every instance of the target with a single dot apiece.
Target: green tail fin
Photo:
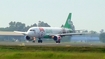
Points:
(68, 22)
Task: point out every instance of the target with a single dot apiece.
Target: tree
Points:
(86, 31)
(18, 26)
(11, 26)
(93, 32)
(102, 37)
(102, 31)
(42, 24)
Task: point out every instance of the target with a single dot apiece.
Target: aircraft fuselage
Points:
(43, 31)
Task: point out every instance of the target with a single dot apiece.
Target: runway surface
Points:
(53, 44)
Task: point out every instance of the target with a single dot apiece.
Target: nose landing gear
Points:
(34, 39)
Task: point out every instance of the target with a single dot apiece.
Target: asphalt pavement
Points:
(66, 44)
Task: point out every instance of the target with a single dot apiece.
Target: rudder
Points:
(68, 22)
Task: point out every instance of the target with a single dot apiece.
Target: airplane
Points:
(56, 33)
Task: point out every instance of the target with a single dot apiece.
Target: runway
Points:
(53, 44)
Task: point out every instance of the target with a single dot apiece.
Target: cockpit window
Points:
(32, 30)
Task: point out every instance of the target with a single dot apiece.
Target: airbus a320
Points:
(56, 33)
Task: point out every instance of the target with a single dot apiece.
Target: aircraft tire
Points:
(39, 41)
(57, 41)
(33, 41)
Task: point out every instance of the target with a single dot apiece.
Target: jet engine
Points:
(28, 38)
(57, 38)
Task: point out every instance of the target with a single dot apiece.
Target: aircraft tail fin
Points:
(68, 22)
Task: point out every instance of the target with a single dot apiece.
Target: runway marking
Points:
(22, 44)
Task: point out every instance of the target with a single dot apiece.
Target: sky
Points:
(86, 14)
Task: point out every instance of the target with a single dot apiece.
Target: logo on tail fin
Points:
(69, 21)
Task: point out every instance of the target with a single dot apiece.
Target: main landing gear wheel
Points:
(57, 41)
(39, 41)
(34, 41)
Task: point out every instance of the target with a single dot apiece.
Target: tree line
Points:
(19, 26)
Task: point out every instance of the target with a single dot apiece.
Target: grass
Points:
(51, 55)
(40, 52)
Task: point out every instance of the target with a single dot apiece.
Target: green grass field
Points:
(40, 52)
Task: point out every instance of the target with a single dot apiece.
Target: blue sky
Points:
(86, 14)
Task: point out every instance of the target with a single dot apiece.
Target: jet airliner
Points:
(56, 33)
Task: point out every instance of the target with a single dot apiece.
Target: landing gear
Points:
(34, 41)
(58, 41)
(40, 41)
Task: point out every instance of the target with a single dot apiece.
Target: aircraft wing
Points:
(24, 33)
(68, 34)
(9, 33)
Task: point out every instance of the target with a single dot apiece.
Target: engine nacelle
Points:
(56, 38)
(28, 38)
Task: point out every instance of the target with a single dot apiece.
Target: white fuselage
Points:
(43, 31)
